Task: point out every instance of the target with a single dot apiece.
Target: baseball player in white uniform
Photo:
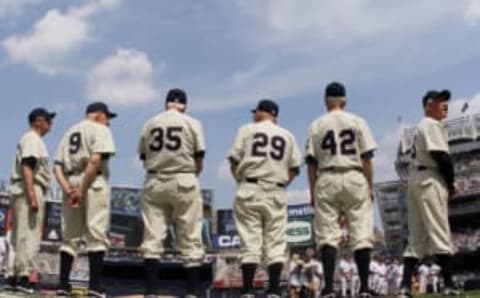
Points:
(29, 183)
(340, 149)
(434, 273)
(431, 182)
(172, 148)
(347, 269)
(423, 272)
(81, 170)
(264, 159)
(311, 275)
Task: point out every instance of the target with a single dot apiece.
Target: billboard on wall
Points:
(52, 227)
(300, 225)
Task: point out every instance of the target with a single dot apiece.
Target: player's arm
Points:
(295, 161)
(61, 179)
(91, 172)
(367, 166)
(237, 153)
(445, 166)
(28, 165)
(199, 157)
(312, 177)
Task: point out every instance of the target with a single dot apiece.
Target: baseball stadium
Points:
(239, 149)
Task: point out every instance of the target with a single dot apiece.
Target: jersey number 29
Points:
(261, 142)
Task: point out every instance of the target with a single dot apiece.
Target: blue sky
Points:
(227, 55)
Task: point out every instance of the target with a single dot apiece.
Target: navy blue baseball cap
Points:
(176, 95)
(95, 107)
(267, 105)
(40, 112)
(443, 95)
(335, 89)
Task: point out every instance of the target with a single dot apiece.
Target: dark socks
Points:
(408, 270)
(329, 255)
(151, 275)
(248, 273)
(274, 272)
(445, 262)
(362, 258)
(66, 261)
(192, 279)
(95, 260)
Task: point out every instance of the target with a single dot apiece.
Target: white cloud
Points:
(125, 78)
(312, 42)
(55, 36)
(13, 7)
(223, 171)
(472, 12)
(386, 155)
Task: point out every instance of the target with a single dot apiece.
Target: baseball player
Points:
(311, 275)
(264, 159)
(29, 183)
(340, 148)
(348, 276)
(172, 148)
(81, 170)
(430, 184)
(434, 272)
(423, 277)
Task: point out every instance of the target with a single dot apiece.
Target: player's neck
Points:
(37, 130)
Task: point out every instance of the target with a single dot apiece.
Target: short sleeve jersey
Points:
(170, 142)
(31, 145)
(339, 139)
(265, 151)
(431, 136)
(80, 142)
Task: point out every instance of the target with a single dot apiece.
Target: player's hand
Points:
(34, 205)
(75, 198)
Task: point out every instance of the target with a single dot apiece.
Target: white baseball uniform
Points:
(169, 144)
(337, 141)
(26, 225)
(427, 200)
(264, 154)
(92, 218)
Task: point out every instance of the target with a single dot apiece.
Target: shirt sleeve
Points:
(435, 137)
(296, 157)
(30, 146)
(310, 155)
(200, 146)
(60, 153)
(237, 152)
(103, 141)
(365, 138)
(141, 147)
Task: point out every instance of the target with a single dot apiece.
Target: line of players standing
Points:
(305, 276)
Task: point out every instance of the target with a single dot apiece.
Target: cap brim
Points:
(253, 110)
(51, 115)
(111, 115)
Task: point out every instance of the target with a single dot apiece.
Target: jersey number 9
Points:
(75, 142)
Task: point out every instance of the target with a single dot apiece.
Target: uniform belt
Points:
(73, 173)
(153, 172)
(338, 169)
(256, 180)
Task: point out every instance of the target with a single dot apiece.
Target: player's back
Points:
(338, 139)
(169, 143)
(268, 152)
(80, 142)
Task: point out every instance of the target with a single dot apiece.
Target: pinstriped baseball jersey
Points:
(431, 136)
(265, 151)
(32, 145)
(170, 141)
(338, 139)
(80, 142)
